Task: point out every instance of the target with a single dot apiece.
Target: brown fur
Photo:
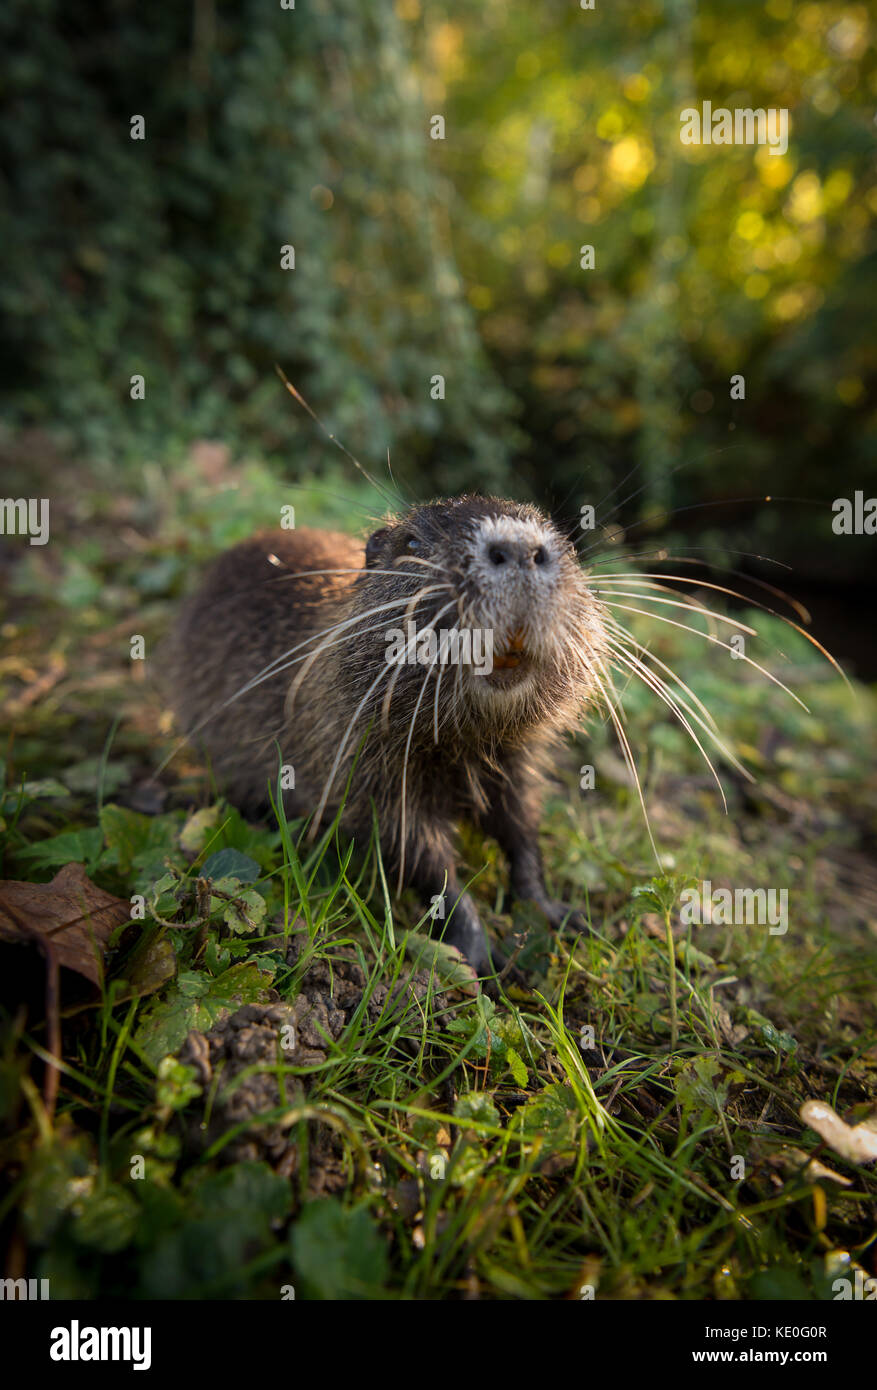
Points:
(500, 566)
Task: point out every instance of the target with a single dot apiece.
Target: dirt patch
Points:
(238, 1062)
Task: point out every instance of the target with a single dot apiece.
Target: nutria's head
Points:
(502, 572)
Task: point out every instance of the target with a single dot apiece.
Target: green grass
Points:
(445, 1145)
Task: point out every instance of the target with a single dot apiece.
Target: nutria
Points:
(302, 648)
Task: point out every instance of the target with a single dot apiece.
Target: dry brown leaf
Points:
(71, 913)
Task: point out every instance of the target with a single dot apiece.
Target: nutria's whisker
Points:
(382, 674)
(280, 663)
(628, 757)
(296, 394)
(310, 574)
(435, 703)
(658, 687)
(324, 797)
(754, 603)
(416, 560)
(435, 665)
(679, 603)
(388, 693)
(708, 637)
(650, 553)
(312, 656)
(628, 637)
(274, 667)
(325, 645)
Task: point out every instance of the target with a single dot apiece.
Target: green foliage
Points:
(198, 1001)
(457, 256)
(460, 257)
(230, 863)
(710, 261)
(337, 1252)
(162, 256)
(223, 1219)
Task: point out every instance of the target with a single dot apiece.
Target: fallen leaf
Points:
(150, 969)
(71, 913)
(855, 1142)
(732, 1033)
(796, 1163)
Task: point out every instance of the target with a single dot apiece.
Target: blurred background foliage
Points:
(310, 127)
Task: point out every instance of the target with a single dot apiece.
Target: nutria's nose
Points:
(516, 552)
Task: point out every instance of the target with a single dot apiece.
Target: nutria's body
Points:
(433, 743)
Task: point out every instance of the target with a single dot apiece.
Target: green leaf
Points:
(108, 1220)
(231, 863)
(58, 1175)
(46, 787)
(249, 1191)
(516, 1067)
(198, 1001)
(151, 966)
(774, 1038)
(658, 895)
(224, 1220)
(699, 1085)
(72, 847)
(549, 1118)
(176, 1084)
(477, 1106)
(337, 1252)
(138, 843)
(243, 909)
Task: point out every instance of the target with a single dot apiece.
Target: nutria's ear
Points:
(373, 546)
